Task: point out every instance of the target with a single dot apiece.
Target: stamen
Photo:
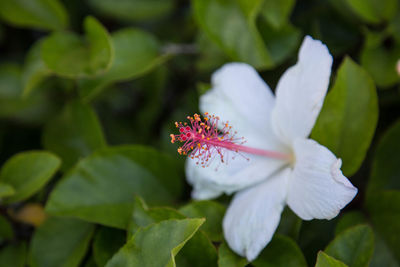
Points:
(204, 138)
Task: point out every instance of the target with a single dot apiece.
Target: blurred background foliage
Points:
(89, 91)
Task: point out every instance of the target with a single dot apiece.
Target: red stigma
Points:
(203, 138)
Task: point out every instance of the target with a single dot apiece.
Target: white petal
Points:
(254, 214)
(231, 176)
(240, 96)
(301, 91)
(317, 187)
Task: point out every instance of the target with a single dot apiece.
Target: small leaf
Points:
(157, 244)
(386, 169)
(102, 187)
(281, 251)
(348, 118)
(136, 53)
(228, 258)
(6, 190)
(41, 14)
(28, 172)
(324, 260)
(349, 220)
(133, 10)
(107, 241)
(69, 55)
(74, 134)
(60, 242)
(354, 246)
(212, 211)
(13, 255)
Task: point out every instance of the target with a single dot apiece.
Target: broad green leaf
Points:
(70, 55)
(228, 258)
(6, 190)
(382, 255)
(281, 251)
(136, 53)
(348, 118)
(198, 251)
(276, 12)
(223, 21)
(157, 244)
(324, 260)
(374, 11)
(34, 70)
(133, 10)
(73, 134)
(102, 187)
(385, 167)
(41, 14)
(13, 255)
(384, 211)
(6, 231)
(143, 216)
(380, 59)
(60, 242)
(353, 246)
(28, 172)
(106, 242)
(212, 211)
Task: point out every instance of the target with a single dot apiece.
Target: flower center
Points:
(204, 138)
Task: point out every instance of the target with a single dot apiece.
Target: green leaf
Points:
(143, 216)
(6, 231)
(386, 169)
(354, 246)
(107, 241)
(281, 251)
(384, 211)
(348, 220)
(374, 11)
(133, 10)
(67, 54)
(223, 21)
(13, 255)
(34, 70)
(228, 258)
(380, 60)
(41, 14)
(189, 256)
(348, 118)
(102, 187)
(6, 190)
(29, 110)
(136, 53)
(28, 172)
(277, 12)
(60, 242)
(324, 260)
(212, 211)
(73, 134)
(157, 244)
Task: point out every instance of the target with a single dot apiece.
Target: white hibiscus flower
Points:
(309, 180)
